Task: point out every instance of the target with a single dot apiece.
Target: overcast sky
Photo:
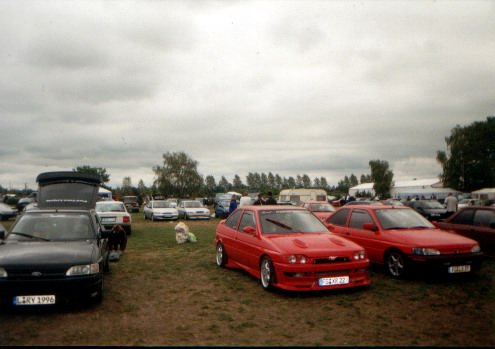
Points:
(288, 87)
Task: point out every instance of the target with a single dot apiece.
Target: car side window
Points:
(339, 217)
(233, 219)
(484, 218)
(358, 218)
(247, 220)
(464, 217)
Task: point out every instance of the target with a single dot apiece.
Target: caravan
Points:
(295, 196)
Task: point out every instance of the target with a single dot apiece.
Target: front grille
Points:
(36, 274)
(329, 260)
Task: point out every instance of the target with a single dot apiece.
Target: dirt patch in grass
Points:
(162, 293)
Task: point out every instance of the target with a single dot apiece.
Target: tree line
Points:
(467, 165)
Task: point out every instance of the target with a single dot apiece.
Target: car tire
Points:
(106, 264)
(186, 217)
(395, 264)
(152, 217)
(221, 255)
(267, 273)
(144, 214)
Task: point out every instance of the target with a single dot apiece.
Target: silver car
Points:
(192, 209)
(112, 213)
(160, 209)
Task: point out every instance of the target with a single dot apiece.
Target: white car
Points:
(192, 209)
(172, 202)
(112, 213)
(160, 209)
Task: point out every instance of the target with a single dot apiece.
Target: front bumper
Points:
(442, 263)
(301, 277)
(64, 288)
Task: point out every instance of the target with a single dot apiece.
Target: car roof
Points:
(272, 208)
(102, 202)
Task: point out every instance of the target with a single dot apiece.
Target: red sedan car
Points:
(403, 240)
(475, 222)
(321, 209)
(289, 248)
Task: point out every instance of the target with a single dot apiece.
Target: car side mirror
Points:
(370, 226)
(249, 230)
(329, 226)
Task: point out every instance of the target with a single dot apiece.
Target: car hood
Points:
(314, 242)
(63, 253)
(433, 237)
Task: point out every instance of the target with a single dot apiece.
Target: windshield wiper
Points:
(282, 225)
(30, 236)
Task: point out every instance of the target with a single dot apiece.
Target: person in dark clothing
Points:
(117, 239)
(270, 200)
(260, 200)
(233, 204)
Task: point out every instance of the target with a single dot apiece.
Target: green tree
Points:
(178, 176)
(306, 181)
(365, 179)
(210, 186)
(382, 178)
(224, 184)
(237, 183)
(353, 181)
(102, 172)
(470, 162)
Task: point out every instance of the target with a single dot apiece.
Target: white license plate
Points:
(460, 269)
(341, 280)
(108, 219)
(34, 300)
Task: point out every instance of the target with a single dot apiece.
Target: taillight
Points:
(127, 219)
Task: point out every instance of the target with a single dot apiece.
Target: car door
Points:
(248, 243)
(369, 239)
(229, 238)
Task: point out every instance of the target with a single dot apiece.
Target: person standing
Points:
(260, 200)
(270, 200)
(245, 200)
(451, 203)
(233, 204)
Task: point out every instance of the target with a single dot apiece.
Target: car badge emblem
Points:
(332, 258)
(36, 273)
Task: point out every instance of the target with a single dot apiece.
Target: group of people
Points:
(245, 200)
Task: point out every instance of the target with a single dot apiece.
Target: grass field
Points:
(162, 293)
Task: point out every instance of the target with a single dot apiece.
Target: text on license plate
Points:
(340, 280)
(460, 269)
(108, 219)
(34, 300)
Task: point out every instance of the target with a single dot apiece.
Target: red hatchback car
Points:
(289, 248)
(321, 209)
(403, 240)
(475, 222)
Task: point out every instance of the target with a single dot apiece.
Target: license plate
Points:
(34, 300)
(108, 219)
(460, 269)
(341, 280)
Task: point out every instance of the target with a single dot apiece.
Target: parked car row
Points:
(289, 247)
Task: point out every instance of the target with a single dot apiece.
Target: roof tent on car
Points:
(67, 189)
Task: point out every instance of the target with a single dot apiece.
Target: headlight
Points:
(476, 249)
(3, 273)
(359, 255)
(421, 251)
(86, 269)
(295, 258)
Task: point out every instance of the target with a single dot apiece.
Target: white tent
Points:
(234, 193)
(105, 193)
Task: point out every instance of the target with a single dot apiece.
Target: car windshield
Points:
(401, 219)
(322, 208)
(290, 221)
(129, 199)
(51, 227)
(432, 204)
(192, 204)
(161, 204)
(110, 207)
